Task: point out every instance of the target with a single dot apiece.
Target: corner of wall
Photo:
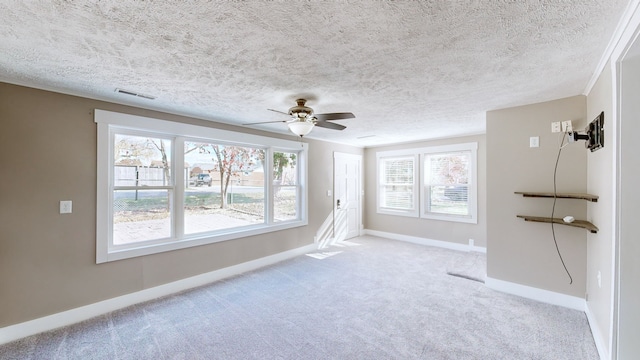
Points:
(523, 252)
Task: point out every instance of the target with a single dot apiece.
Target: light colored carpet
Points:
(381, 299)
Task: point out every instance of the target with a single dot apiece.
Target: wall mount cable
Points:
(553, 209)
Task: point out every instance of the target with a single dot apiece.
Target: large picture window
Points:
(164, 186)
(448, 176)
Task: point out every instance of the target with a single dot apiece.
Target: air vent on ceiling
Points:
(133, 93)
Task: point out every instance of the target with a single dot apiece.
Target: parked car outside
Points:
(203, 179)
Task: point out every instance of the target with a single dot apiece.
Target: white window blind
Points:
(397, 191)
(397, 185)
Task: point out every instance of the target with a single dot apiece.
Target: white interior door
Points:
(347, 195)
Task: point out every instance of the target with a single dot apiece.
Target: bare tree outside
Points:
(229, 162)
(232, 160)
(130, 148)
(159, 144)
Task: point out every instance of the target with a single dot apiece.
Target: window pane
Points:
(224, 187)
(397, 197)
(141, 161)
(285, 168)
(447, 183)
(285, 203)
(397, 171)
(397, 183)
(448, 169)
(285, 186)
(140, 215)
(447, 200)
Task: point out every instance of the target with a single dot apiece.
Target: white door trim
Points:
(630, 25)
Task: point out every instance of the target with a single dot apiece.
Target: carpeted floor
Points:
(369, 298)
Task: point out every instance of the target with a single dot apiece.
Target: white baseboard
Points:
(597, 335)
(425, 241)
(545, 296)
(32, 327)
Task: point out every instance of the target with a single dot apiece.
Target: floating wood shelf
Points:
(576, 223)
(581, 196)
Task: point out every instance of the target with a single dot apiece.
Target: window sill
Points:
(452, 218)
(106, 254)
(411, 213)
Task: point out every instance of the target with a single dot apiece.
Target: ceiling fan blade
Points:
(267, 122)
(328, 125)
(278, 111)
(334, 116)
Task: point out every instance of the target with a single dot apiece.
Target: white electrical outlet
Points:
(66, 207)
(534, 141)
(555, 127)
(567, 126)
(599, 279)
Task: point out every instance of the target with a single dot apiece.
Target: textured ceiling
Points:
(408, 70)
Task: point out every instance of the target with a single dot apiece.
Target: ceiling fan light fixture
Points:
(301, 128)
(302, 119)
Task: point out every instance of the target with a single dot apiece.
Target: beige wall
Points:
(600, 181)
(455, 232)
(47, 260)
(524, 252)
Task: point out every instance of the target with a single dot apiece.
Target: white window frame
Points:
(388, 155)
(419, 195)
(472, 187)
(109, 123)
(172, 188)
(274, 186)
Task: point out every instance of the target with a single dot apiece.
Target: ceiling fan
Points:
(302, 119)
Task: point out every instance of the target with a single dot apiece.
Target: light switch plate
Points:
(66, 207)
(534, 141)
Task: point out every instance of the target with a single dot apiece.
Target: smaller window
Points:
(449, 189)
(397, 180)
(448, 177)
